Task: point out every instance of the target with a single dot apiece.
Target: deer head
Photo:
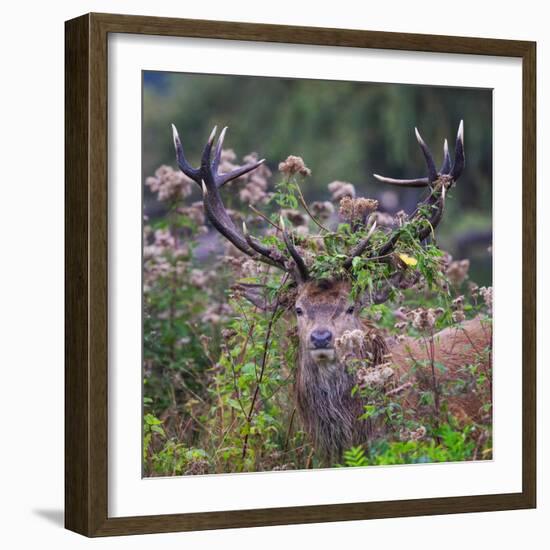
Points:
(325, 308)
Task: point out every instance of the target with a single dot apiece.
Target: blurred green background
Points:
(344, 131)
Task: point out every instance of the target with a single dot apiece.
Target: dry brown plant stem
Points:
(289, 430)
(310, 214)
(430, 348)
(262, 370)
(264, 217)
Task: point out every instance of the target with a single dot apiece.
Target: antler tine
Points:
(209, 169)
(185, 167)
(218, 152)
(210, 182)
(417, 182)
(238, 172)
(446, 166)
(438, 188)
(301, 272)
(222, 179)
(460, 159)
(207, 174)
(432, 172)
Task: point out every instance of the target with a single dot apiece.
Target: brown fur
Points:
(323, 385)
(323, 388)
(455, 348)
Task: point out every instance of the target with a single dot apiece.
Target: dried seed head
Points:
(458, 303)
(356, 210)
(473, 288)
(374, 377)
(458, 316)
(322, 210)
(457, 271)
(294, 165)
(169, 183)
(423, 319)
(487, 294)
(341, 189)
(401, 217)
(383, 219)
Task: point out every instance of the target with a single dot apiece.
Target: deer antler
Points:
(446, 169)
(438, 182)
(301, 270)
(210, 181)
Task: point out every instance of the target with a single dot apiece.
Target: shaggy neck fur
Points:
(326, 406)
(324, 398)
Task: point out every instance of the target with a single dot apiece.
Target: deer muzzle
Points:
(321, 339)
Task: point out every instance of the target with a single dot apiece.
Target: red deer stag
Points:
(326, 313)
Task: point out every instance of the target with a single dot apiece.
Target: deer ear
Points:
(256, 294)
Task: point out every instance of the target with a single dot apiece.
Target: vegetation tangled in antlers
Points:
(353, 245)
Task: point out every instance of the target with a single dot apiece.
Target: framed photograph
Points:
(300, 275)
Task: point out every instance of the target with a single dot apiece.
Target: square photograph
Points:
(317, 274)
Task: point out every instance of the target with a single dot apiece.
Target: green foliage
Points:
(455, 446)
(355, 457)
(286, 194)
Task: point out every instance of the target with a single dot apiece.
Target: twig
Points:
(435, 387)
(306, 208)
(256, 211)
(249, 334)
(289, 429)
(309, 458)
(399, 389)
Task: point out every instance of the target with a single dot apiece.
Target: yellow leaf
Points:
(409, 260)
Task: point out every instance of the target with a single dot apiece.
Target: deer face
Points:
(324, 311)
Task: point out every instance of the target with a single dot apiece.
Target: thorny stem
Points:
(430, 347)
(262, 370)
(235, 387)
(249, 335)
(287, 438)
(481, 362)
(220, 405)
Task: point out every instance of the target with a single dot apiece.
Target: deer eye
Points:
(350, 310)
(299, 311)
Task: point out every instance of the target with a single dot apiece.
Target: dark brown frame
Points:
(86, 274)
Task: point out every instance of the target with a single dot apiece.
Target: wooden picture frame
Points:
(86, 232)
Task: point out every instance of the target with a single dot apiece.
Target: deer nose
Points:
(320, 338)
